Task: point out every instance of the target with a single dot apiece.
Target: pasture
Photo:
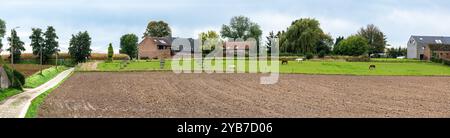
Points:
(384, 67)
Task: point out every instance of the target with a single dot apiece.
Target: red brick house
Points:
(236, 47)
(439, 51)
(155, 47)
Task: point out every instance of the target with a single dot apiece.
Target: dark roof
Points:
(426, 40)
(165, 41)
(439, 47)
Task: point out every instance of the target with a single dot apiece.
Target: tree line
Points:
(304, 36)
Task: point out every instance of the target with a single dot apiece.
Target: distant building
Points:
(155, 47)
(418, 44)
(238, 47)
(161, 47)
(438, 51)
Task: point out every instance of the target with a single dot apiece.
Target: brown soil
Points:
(147, 94)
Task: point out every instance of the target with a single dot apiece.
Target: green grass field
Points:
(8, 93)
(38, 79)
(388, 67)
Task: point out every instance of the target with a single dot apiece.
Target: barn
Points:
(418, 44)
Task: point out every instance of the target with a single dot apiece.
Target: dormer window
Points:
(438, 41)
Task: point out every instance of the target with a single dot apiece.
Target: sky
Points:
(107, 20)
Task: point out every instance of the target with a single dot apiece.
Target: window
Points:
(161, 41)
(438, 41)
(160, 47)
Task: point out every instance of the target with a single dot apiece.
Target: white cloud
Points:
(400, 24)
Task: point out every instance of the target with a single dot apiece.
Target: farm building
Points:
(238, 47)
(418, 44)
(438, 51)
(155, 47)
(163, 47)
(160, 47)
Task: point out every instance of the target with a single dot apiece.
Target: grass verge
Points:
(38, 79)
(35, 103)
(6, 93)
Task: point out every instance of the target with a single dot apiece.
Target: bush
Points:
(446, 62)
(321, 54)
(436, 60)
(110, 53)
(17, 79)
(19, 76)
(358, 59)
(309, 56)
(352, 46)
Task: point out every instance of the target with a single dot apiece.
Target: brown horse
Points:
(284, 61)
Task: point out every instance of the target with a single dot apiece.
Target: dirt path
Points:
(146, 94)
(89, 66)
(17, 106)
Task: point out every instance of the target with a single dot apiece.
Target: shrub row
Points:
(358, 59)
(94, 56)
(439, 60)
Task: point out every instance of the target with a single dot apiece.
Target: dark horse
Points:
(371, 67)
(284, 61)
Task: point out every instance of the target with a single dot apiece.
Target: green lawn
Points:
(132, 65)
(362, 68)
(39, 79)
(389, 67)
(8, 93)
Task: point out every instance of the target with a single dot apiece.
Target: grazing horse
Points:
(371, 67)
(284, 61)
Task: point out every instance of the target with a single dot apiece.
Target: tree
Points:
(375, 38)
(323, 47)
(396, 52)
(2, 31)
(47, 45)
(128, 45)
(80, 47)
(110, 53)
(269, 40)
(16, 44)
(302, 36)
(157, 29)
(37, 41)
(209, 35)
(50, 44)
(352, 46)
(338, 39)
(241, 27)
(281, 38)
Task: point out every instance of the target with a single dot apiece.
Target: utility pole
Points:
(56, 55)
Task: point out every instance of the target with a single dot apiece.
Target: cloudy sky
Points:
(107, 20)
